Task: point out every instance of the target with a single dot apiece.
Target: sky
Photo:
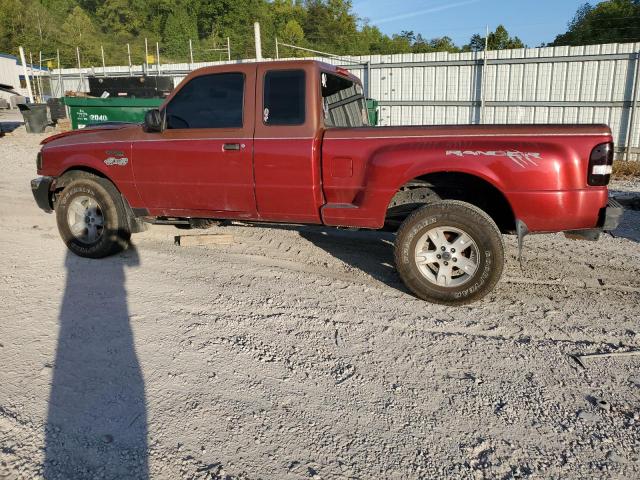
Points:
(534, 21)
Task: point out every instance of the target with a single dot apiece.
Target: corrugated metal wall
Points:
(9, 71)
(587, 84)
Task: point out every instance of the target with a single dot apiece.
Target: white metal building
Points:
(12, 76)
(9, 76)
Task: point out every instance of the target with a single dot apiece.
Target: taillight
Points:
(600, 164)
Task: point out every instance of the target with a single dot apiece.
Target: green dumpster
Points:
(85, 111)
(372, 110)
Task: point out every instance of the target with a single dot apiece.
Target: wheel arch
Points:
(83, 171)
(472, 188)
(80, 171)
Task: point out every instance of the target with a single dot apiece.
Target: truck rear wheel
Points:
(91, 218)
(449, 252)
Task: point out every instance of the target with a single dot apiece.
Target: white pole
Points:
(632, 106)
(26, 75)
(229, 49)
(256, 32)
(484, 74)
(60, 74)
(129, 56)
(277, 51)
(158, 57)
(104, 66)
(34, 80)
(146, 56)
(39, 74)
(190, 54)
(80, 70)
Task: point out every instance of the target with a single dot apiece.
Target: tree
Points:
(476, 44)
(79, 31)
(292, 33)
(331, 26)
(179, 28)
(613, 21)
(498, 40)
(121, 16)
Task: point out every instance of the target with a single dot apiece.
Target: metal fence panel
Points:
(585, 84)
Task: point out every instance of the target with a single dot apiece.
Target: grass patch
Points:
(626, 169)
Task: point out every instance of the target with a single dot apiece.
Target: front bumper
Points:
(41, 189)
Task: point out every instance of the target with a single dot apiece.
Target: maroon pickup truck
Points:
(289, 142)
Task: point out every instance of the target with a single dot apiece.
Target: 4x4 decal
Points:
(122, 161)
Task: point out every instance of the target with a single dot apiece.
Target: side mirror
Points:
(153, 121)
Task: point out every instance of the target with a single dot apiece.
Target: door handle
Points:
(232, 146)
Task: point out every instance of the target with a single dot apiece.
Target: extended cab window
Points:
(284, 100)
(209, 101)
(343, 102)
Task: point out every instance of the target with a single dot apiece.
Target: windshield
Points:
(343, 102)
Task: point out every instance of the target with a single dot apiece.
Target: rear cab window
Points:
(208, 101)
(343, 102)
(284, 97)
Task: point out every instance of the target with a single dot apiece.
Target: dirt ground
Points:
(297, 353)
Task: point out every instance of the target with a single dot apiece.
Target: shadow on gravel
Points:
(369, 251)
(97, 419)
(629, 227)
(8, 127)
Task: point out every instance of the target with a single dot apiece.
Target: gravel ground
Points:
(297, 353)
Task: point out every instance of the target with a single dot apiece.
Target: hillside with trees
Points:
(327, 25)
(614, 21)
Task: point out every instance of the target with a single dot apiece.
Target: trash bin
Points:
(372, 110)
(57, 109)
(35, 116)
(85, 111)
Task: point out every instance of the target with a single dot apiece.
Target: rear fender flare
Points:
(391, 168)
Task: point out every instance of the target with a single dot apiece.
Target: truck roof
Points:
(339, 70)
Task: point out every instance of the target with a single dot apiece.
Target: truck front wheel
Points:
(449, 252)
(91, 218)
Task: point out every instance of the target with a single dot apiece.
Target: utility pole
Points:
(26, 74)
(229, 49)
(277, 50)
(190, 55)
(256, 33)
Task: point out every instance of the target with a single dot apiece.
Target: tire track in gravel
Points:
(357, 276)
(317, 274)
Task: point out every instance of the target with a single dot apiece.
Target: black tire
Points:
(115, 233)
(487, 250)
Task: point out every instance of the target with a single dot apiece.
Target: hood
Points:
(107, 131)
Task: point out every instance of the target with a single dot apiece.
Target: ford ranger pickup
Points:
(289, 142)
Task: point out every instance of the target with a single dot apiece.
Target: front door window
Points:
(208, 101)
